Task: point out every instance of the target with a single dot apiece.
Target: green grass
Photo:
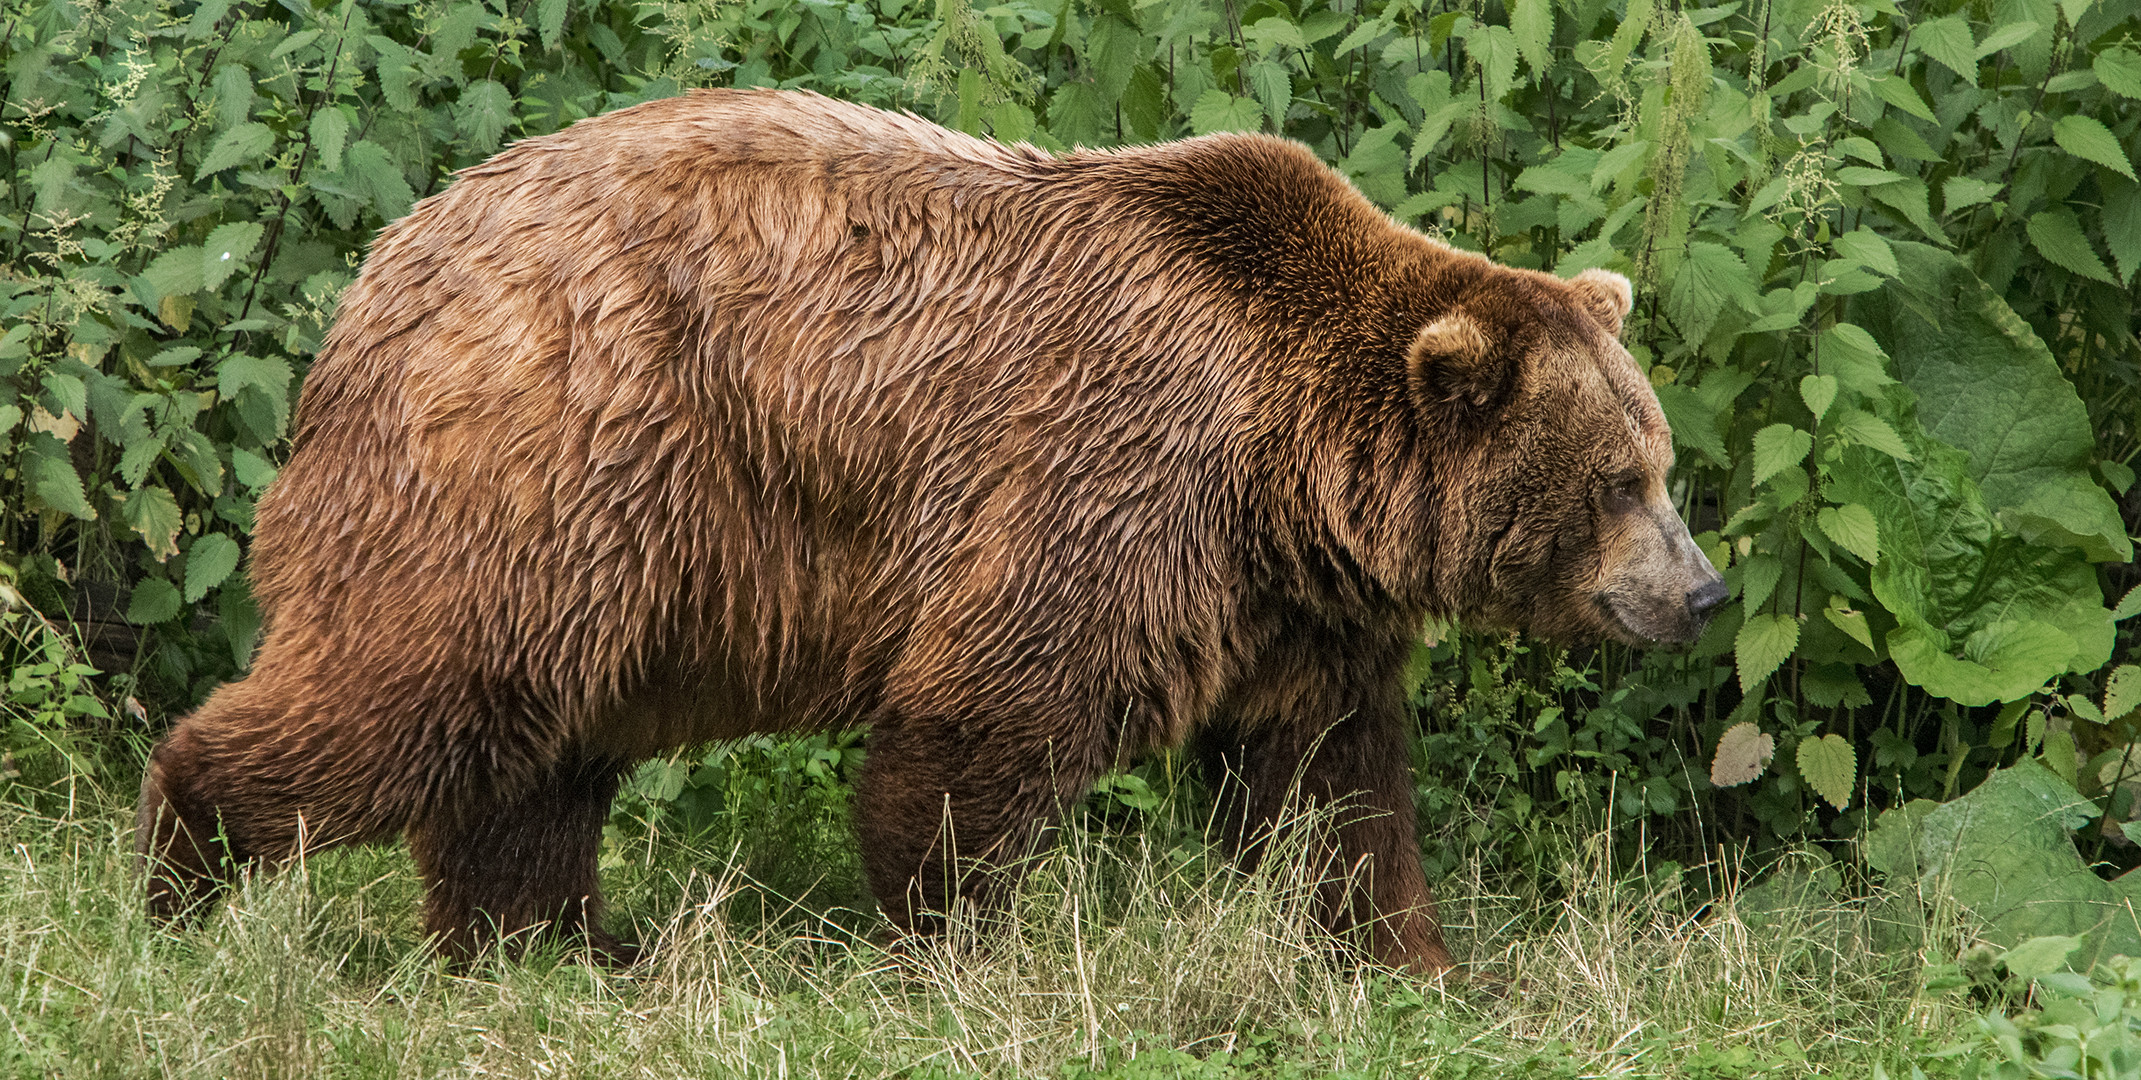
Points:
(1127, 954)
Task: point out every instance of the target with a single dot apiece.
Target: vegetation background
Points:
(1884, 255)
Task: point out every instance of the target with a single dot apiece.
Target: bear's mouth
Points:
(1621, 629)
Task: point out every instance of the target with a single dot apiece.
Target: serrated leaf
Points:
(2122, 227)
(154, 601)
(2119, 69)
(1910, 197)
(2005, 37)
(1216, 110)
(252, 470)
(1949, 41)
(2129, 605)
(1864, 176)
(550, 22)
(1819, 392)
(1532, 21)
(482, 112)
(1274, 89)
(1765, 642)
(1709, 280)
(1868, 249)
(228, 247)
(210, 560)
(2058, 236)
(1743, 751)
(2122, 692)
(1898, 91)
(1868, 430)
(193, 451)
(268, 376)
(330, 132)
(1779, 447)
(241, 145)
(49, 479)
(382, 179)
(1853, 528)
(176, 272)
(1495, 47)
(1363, 34)
(1965, 191)
(139, 456)
(1849, 620)
(1273, 30)
(1830, 766)
(1759, 575)
(1857, 361)
(154, 516)
(2087, 138)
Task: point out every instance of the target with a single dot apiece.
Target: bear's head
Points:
(1559, 516)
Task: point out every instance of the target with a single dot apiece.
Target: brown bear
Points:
(761, 412)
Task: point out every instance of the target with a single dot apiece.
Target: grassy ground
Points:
(1131, 954)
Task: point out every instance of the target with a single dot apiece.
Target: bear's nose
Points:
(1705, 599)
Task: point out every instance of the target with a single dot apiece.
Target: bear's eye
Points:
(1622, 494)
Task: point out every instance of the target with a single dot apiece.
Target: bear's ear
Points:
(1453, 359)
(1607, 296)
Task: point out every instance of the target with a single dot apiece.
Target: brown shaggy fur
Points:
(751, 411)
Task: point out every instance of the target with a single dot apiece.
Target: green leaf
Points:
(2021, 613)
(483, 112)
(1862, 176)
(1711, 278)
(139, 456)
(382, 179)
(2122, 226)
(1779, 447)
(2122, 692)
(267, 376)
(1217, 110)
(2005, 37)
(1987, 384)
(1853, 528)
(1897, 91)
(1363, 34)
(1949, 41)
(1114, 49)
(153, 514)
(241, 145)
(176, 272)
(1868, 249)
(208, 562)
(227, 249)
(2058, 236)
(1868, 430)
(1532, 21)
(1274, 88)
(1759, 575)
(1849, 620)
(154, 601)
(330, 132)
(252, 470)
(49, 479)
(2039, 956)
(2090, 140)
(1765, 642)
(2119, 69)
(1964, 191)
(1495, 47)
(1858, 362)
(1271, 31)
(550, 22)
(1819, 392)
(1910, 198)
(1830, 766)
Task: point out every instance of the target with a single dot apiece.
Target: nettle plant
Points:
(1884, 256)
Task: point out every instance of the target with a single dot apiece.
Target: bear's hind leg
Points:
(523, 866)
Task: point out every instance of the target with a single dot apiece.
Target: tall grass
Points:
(1124, 953)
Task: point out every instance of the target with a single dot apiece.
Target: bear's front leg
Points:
(942, 809)
(523, 867)
(1304, 748)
